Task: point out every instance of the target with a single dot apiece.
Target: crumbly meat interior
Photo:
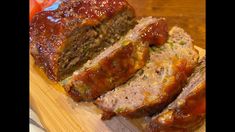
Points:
(86, 43)
(190, 102)
(147, 86)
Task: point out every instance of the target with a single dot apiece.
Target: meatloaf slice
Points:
(118, 63)
(157, 83)
(63, 38)
(187, 112)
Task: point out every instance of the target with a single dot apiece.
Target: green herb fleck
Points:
(119, 110)
(161, 48)
(153, 48)
(84, 89)
(164, 80)
(176, 55)
(171, 45)
(141, 72)
(63, 82)
(182, 42)
(125, 42)
(145, 77)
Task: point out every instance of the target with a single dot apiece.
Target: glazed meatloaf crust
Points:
(157, 83)
(187, 112)
(118, 63)
(63, 38)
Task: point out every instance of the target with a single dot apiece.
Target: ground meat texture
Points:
(110, 72)
(157, 83)
(62, 39)
(112, 67)
(187, 112)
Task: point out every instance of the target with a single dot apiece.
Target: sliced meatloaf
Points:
(157, 83)
(187, 112)
(118, 63)
(66, 35)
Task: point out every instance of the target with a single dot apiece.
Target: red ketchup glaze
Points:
(76, 13)
(97, 79)
(50, 28)
(34, 8)
(156, 33)
(98, 8)
(196, 103)
(37, 6)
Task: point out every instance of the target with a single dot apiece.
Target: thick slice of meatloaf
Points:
(157, 83)
(118, 63)
(187, 112)
(63, 38)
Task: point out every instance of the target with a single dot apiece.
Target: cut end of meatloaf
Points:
(114, 66)
(62, 40)
(187, 111)
(157, 83)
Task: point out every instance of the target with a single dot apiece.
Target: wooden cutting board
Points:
(58, 113)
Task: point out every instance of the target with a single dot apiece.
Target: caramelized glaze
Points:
(188, 111)
(156, 33)
(50, 28)
(110, 72)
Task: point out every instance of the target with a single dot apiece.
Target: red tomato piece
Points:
(38, 5)
(34, 7)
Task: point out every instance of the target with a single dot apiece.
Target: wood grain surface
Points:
(58, 113)
(188, 14)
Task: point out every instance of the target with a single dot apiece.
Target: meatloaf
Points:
(65, 36)
(187, 112)
(118, 63)
(157, 83)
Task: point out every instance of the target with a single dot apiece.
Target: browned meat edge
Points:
(187, 112)
(116, 64)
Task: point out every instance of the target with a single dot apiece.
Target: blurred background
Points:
(188, 14)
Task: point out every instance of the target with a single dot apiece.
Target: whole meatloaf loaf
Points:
(65, 36)
(187, 112)
(118, 63)
(157, 83)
